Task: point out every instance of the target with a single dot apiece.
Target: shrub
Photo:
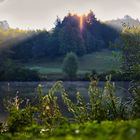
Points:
(135, 93)
(70, 65)
(19, 117)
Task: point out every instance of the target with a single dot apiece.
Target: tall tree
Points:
(71, 39)
(131, 50)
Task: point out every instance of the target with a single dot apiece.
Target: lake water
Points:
(29, 90)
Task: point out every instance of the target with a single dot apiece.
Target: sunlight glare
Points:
(81, 22)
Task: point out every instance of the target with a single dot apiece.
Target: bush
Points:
(70, 65)
(9, 71)
(19, 118)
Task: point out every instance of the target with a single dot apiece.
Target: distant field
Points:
(100, 61)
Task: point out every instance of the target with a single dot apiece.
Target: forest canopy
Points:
(78, 34)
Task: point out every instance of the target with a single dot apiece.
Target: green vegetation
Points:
(131, 51)
(91, 43)
(107, 130)
(14, 72)
(104, 117)
(67, 36)
(70, 65)
(103, 61)
(76, 51)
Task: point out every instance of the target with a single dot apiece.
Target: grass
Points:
(106, 130)
(45, 70)
(100, 61)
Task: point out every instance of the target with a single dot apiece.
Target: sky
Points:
(40, 14)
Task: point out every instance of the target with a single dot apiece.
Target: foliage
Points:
(48, 109)
(135, 93)
(118, 76)
(131, 51)
(102, 61)
(19, 117)
(47, 113)
(67, 36)
(11, 71)
(116, 130)
(70, 65)
(131, 63)
(70, 37)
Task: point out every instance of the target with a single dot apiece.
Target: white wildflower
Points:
(77, 131)
(39, 85)
(43, 131)
(47, 107)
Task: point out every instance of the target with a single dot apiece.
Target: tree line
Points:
(78, 34)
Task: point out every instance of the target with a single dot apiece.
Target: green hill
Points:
(103, 61)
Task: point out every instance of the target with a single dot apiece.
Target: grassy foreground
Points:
(105, 117)
(106, 130)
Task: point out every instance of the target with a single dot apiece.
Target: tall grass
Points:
(103, 105)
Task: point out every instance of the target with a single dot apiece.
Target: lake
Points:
(29, 90)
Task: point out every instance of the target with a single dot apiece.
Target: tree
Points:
(131, 63)
(70, 37)
(131, 50)
(78, 34)
(70, 65)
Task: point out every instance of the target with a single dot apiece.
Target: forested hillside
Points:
(79, 34)
(82, 35)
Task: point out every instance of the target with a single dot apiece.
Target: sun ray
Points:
(81, 23)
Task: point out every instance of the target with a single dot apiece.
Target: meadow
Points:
(103, 61)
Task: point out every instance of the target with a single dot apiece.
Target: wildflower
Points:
(17, 102)
(77, 131)
(43, 131)
(47, 107)
(39, 85)
(94, 83)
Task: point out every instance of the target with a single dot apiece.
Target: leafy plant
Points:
(19, 117)
(70, 65)
(48, 109)
(135, 92)
(103, 105)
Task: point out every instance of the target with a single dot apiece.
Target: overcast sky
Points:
(35, 14)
